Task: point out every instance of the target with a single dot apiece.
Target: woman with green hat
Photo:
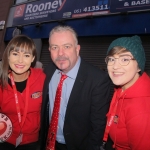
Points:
(128, 119)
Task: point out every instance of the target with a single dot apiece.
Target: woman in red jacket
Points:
(20, 96)
(128, 121)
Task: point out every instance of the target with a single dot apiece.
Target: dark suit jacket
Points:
(88, 104)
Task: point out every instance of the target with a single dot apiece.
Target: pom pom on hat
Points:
(134, 45)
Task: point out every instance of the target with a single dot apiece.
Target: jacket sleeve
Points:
(99, 108)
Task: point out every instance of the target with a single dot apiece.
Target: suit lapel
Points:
(79, 82)
(49, 73)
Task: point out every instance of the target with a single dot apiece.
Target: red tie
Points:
(51, 139)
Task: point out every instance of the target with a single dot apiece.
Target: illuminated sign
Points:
(129, 5)
(51, 10)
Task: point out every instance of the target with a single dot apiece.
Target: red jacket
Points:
(130, 129)
(30, 129)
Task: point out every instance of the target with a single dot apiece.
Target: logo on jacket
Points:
(5, 127)
(36, 95)
(116, 119)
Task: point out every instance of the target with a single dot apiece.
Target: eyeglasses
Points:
(123, 60)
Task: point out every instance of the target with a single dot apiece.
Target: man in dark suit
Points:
(84, 99)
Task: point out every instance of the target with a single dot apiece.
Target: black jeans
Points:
(109, 144)
(59, 146)
(8, 146)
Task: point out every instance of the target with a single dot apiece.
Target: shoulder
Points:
(92, 70)
(38, 65)
(49, 68)
(37, 72)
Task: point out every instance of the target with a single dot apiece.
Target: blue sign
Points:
(128, 5)
(52, 10)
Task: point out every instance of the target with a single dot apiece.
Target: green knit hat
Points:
(134, 45)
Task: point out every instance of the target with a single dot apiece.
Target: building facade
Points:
(5, 6)
(97, 22)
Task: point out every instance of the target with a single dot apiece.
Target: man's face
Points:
(64, 50)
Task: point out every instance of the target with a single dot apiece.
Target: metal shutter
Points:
(93, 50)
(146, 45)
(45, 54)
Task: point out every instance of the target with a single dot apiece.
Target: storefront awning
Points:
(106, 25)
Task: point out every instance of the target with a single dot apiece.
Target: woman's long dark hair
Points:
(18, 43)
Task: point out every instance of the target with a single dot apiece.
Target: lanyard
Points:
(21, 119)
(111, 117)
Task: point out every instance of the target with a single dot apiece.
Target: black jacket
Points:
(88, 104)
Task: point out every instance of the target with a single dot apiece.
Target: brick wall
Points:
(4, 12)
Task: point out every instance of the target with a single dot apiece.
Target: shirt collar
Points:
(73, 72)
